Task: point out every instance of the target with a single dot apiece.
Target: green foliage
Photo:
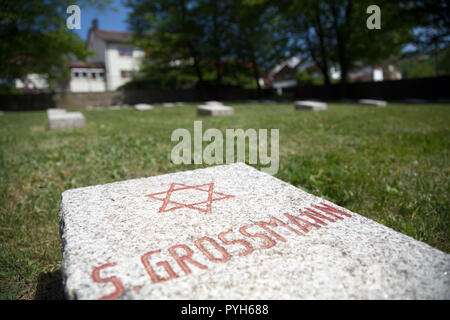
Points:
(422, 65)
(9, 90)
(334, 32)
(415, 68)
(443, 62)
(306, 79)
(233, 40)
(35, 39)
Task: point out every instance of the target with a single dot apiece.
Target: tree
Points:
(432, 27)
(172, 35)
(257, 41)
(334, 32)
(34, 39)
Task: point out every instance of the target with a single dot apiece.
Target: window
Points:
(125, 74)
(125, 52)
(76, 75)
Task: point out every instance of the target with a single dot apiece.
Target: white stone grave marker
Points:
(233, 232)
(371, 102)
(310, 105)
(214, 110)
(143, 107)
(61, 119)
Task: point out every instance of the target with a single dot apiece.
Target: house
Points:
(87, 77)
(113, 63)
(33, 82)
(284, 75)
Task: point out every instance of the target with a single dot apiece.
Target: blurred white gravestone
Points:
(310, 105)
(371, 102)
(214, 110)
(233, 232)
(143, 107)
(61, 119)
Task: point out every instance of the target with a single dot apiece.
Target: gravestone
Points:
(143, 107)
(233, 232)
(310, 105)
(371, 102)
(214, 110)
(115, 107)
(168, 104)
(61, 119)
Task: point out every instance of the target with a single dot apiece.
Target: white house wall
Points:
(87, 85)
(115, 63)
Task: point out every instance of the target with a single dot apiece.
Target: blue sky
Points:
(108, 19)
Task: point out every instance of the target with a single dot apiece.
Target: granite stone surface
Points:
(371, 102)
(310, 105)
(60, 119)
(55, 111)
(143, 107)
(214, 110)
(233, 232)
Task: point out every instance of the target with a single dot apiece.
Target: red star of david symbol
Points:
(174, 187)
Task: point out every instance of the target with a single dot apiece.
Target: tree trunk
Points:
(193, 52)
(341, 39)
(323, 53)
(322, 61)
(256, 74)
(198, 71)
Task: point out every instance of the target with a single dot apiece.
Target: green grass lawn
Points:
(389, 164)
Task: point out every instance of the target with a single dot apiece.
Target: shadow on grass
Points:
(50, 286)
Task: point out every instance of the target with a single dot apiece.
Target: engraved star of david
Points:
(174, 187)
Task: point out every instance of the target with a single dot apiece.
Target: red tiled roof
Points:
(113, 36)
